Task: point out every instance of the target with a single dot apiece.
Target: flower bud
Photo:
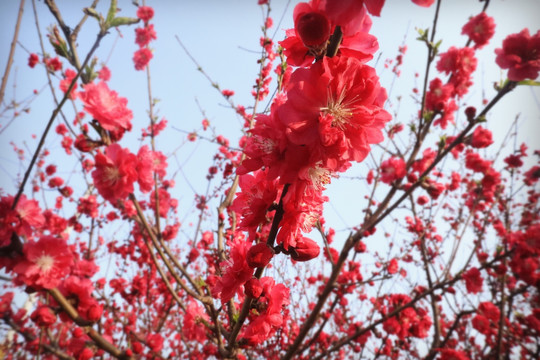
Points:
(94, 312)
(259, 255)
(470, 112)
(83, 144)
(305, 250)
(313, 28)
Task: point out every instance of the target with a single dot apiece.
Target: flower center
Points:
(266, 145)
(112, 174)
(45, 263)
(319, 176)
(340, 110)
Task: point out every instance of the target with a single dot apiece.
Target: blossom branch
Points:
(99, 340)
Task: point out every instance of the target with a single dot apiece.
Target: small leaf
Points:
(119, 21)
(529, 82)
(112, 12)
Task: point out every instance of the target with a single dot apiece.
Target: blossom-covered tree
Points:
(104, 255)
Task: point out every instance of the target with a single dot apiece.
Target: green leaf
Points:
(529, 82)
(119, 21)
(112, 12)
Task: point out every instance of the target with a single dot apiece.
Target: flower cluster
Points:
(328, 116)
(143, 37)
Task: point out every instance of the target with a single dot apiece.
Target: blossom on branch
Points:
(45, 262)
(105, 106)
(520, 54)
(115, 173)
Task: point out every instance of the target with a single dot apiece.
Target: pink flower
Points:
(143, 36)
(473, 280)
(43, 316)
(273, 300)
(155, 342)
(106, 107)
(252, 203)
(236, 271)
(141, 58)
(45, 262)
(33, 59)
(460, 63)
(69, 75)
(392, 169)
(480, 29)
(26, 217)
(115, 173)
(393, 266)
(226, 93)
(192, 325)
(259, 255)
(53, 64)
(481, 138)
(335, 109)
(521, 55)
(145, 169)
(351, 14)
(476, 163)
(145, 13)
(104, 74)
(423, 3)
(451, 354)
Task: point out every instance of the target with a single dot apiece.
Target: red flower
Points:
(473, 280)
(69, 75)
(423, 3)
(53, 64)
(115, 173)
(253, 288)
(392, 169)
(351, 14)
(305, 250)
(192, 325)
(236, 271)
(252, 203)
(451, 354)
(521, 55)
(141, 58)
(334, 109)
(461, 63)
(476, 163)
(393, 266)
(104, 74)
(106, 107)
(45, 262)
(145, 169)
(33, 59)
(259, 255)
(43, 316)
(273, 300)
(481, 138)
(155, 342)
(143, 36)
(26, 217)
(479, 29)
(145, 13)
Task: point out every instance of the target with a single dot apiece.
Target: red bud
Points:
(259, 255)
(305, 250)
